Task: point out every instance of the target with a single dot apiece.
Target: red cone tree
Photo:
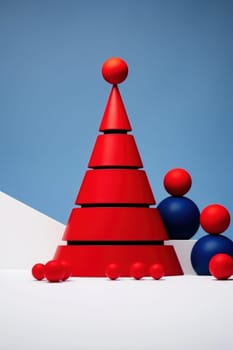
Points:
(114, 221)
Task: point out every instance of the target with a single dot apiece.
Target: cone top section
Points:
(115, 117)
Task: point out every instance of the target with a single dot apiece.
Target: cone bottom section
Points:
(114, 224)
(92, 260)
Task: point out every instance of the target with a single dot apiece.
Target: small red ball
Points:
(157, 271)
(115, 70)
(177, 182)
(67, 270)
(137, 270)
(38, 271)
(54, 271)
(221, 266)
(215, 219)
(112, 271)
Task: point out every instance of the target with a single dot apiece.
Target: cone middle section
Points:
(115, 224)
(115, 150)
(115, 186)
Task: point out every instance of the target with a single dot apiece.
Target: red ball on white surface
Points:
(157, 271)
(221, 266)
(137, 270)
(112, 271)
(67, 270)
(38, 271)
(215, 219)
(54, 271)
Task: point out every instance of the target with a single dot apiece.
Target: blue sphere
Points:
(205, 248)
(180, 216)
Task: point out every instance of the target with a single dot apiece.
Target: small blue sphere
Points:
(180, 216)
(205, 248)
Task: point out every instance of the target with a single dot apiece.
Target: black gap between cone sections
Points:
(115, 243)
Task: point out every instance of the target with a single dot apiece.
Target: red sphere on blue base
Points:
(205, 248)
(177, 181)
(180, 216)
(215, 219)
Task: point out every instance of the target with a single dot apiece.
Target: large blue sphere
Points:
(205, 248)
(181, 217)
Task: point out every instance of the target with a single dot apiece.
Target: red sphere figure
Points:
(115, 70)
(54, 271)
(215, 219)
(177, 182)
(157, 271)
(67, 270)
(137, 270)
(38, 271)
(221, 266)
(112, 271)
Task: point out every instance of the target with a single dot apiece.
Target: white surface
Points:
(179, 313)
(27, 236)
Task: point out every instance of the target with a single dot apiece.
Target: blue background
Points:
(178, 95)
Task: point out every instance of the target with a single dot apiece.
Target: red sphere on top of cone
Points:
(115, 70)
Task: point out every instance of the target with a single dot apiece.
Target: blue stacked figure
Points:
(180, 214)
(182, 219)
(214, 219)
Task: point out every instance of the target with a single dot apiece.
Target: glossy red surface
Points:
(92, 260)
(115, 223)
(114, 186)
(115, 116)
(115, 150)
(115, 70)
